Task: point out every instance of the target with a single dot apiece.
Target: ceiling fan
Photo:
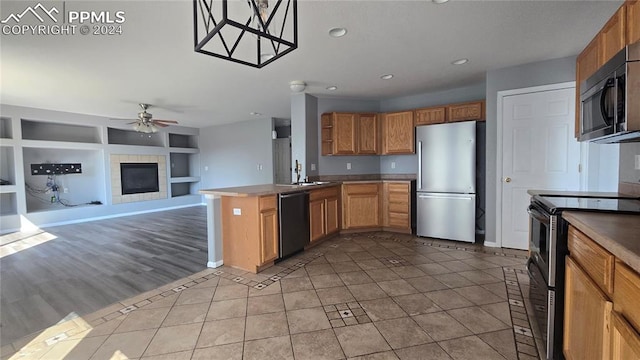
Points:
(145, 122)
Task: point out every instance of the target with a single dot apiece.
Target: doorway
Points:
(536, 150)
(282, 151)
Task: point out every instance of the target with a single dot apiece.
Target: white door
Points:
(539, 151)
(282, 160)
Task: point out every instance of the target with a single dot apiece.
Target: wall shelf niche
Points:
(48, 131)
(7, 168)
(131, 137)
(183, 141)
(6, 129)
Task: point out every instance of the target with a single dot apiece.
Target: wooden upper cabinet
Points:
(588, 61)
(349, 134)
(613, 34)
(398, 133)
(368, 134)
(633, 21)
(344, 133)
(466, 111)
(432, 115)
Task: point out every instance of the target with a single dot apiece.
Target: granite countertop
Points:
(366, 177)
(618, 233)
(264, 189)
(534, 192)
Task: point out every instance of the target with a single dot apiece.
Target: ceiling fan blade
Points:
(166, 121)
(134, 122)
(160, 124)
(123, 119)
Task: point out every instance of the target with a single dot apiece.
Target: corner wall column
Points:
(214, 231)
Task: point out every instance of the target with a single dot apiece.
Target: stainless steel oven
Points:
(546, 274)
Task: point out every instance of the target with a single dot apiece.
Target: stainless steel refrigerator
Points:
(446, 185)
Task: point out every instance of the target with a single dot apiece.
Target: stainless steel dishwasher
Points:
(293, 216)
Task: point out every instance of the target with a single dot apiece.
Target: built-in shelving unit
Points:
(34, 136)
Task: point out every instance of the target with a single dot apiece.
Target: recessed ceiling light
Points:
(439, 1)
(337, 32)
(460, 61)
(255, 113)
(332, 88)
(386, 76)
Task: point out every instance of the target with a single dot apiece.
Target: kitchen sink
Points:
(310, 183)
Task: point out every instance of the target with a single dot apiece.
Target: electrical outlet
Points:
(260, 167)
(348, 166)
(206, 168)
(237, 211)
(637, 162)
(65, 190)
(393, 164)
(313, 167)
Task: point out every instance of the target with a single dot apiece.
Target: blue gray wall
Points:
(516, 77)
(232, 153)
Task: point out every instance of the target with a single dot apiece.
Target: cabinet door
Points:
(344, 133)
(466, 111)
(398, 133)
(368, 138)
(397, 205)
(326, 128)
(268, 236)
(588, 61)
(434, 115)
(332, 215)
(633, 21)
(586, 317)
(317, 219)
(361, 206)
(612, 35)
(625, 340)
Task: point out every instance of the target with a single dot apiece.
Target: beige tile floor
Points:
(367, 296)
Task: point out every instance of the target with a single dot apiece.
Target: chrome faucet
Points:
(298, 170)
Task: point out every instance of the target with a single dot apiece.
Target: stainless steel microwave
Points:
(610, 100)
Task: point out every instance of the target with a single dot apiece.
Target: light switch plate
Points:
(637, 162)
(237, 211)
(348, 166)
(393, 164)
(313, 167)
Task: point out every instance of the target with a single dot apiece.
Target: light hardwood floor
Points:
(87, 266)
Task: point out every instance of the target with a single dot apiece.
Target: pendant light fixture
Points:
(249, 32)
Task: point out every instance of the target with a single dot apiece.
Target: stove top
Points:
(554, 204)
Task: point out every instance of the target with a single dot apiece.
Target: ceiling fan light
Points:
(154, 128)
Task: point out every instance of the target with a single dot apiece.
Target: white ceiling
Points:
(154, 61)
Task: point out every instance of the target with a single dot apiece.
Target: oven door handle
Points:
(538, 215)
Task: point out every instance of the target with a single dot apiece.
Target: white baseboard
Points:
(117, 215)
(215, 264)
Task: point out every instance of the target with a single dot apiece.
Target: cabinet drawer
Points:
(323, 193)
(399, 198)
(626, 295)
(595, 260)
(398, 208)
(267, 202)
(398, 219)
(398, 187)
(366, 188)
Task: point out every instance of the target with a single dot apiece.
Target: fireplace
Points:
(147, 186)
(139, 178)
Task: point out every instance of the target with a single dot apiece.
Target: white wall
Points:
(230, 154)
(628, 172)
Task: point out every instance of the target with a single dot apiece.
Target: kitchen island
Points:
(242, 224)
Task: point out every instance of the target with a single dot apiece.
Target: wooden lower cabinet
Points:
(249, 231)
(397, 206)
(625, 340)
(587, 313)
(268, 235)
(324, 212)
(361, 205)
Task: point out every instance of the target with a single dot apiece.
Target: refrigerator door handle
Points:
(423, 196)
(419, 165)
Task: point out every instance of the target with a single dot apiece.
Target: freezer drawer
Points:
(446, 216)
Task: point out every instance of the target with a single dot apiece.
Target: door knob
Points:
(507, 179)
